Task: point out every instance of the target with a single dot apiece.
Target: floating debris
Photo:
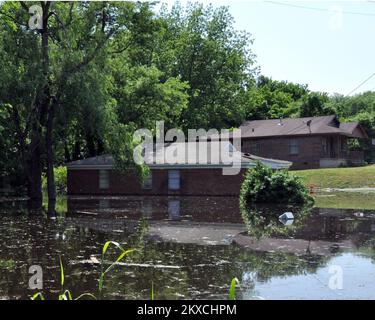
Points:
(287, 218)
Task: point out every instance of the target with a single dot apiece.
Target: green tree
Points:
(200, 46)
(40, 65)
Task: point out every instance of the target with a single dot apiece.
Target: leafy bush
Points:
(60, 180)
(264, 185)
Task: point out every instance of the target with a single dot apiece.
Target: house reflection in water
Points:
(174, 210)
(198, 209)
(325, 231)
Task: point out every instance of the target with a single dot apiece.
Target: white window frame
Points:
(174, 180)
(103, 179)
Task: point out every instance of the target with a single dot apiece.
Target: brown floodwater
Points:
(188, 248)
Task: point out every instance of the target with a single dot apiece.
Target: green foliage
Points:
(200, 46)
(60, 180)
(187, 66)
(67, 295)
(263, 220)
(105, 271)
(232, 290)
(7, 264)
(270, 99)
(265, 185)
(314, 105)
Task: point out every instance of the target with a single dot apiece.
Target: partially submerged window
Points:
(294, 147)
(147, 184)
(103, 179)
(254, 148)
(174, 211)
(174, 182)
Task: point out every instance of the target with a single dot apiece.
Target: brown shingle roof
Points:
(298, 126)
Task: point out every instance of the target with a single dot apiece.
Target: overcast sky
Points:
(329, 45)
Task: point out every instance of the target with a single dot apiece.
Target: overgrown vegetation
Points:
(265, 185)
(60, 180)
(66, 294)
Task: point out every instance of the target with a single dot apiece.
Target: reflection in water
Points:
(185, 249)
(174, 211)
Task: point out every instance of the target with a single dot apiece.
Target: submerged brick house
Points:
(309, 143)
(98, 176)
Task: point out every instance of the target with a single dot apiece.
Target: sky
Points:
(328, 45)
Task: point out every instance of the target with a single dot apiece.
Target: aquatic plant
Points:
(122, 255)
(232, 289)
(66, 294)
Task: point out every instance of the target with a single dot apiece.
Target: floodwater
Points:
(188, 248)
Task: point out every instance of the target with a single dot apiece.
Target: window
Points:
(293, 147)
(254, 148)
(147, 184)
(103, 179)
(325, 146)
(174, 180)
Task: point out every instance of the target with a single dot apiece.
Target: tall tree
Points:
(70, 38)
(200, 46)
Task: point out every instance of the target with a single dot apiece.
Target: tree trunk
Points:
(51, 188)
(48, 109)
(35, 170)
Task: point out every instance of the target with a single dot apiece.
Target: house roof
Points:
(185, 155)
(301, 126)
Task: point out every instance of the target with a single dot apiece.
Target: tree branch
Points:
(93, 55)
(13, 19)
(24, 6)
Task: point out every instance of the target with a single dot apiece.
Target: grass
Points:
(339, 178)
(346, 200)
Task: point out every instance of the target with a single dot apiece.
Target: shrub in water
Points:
(265, 185)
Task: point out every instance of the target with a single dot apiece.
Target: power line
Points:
(319, 9)
(355, 89)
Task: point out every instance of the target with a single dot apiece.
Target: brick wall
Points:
(194, 182)
(278, 148)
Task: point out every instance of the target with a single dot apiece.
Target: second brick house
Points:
(309, 143)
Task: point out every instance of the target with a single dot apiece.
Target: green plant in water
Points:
(152, 291)
(122, 255)
(232, 290)
(67, 295)
(7, 264)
